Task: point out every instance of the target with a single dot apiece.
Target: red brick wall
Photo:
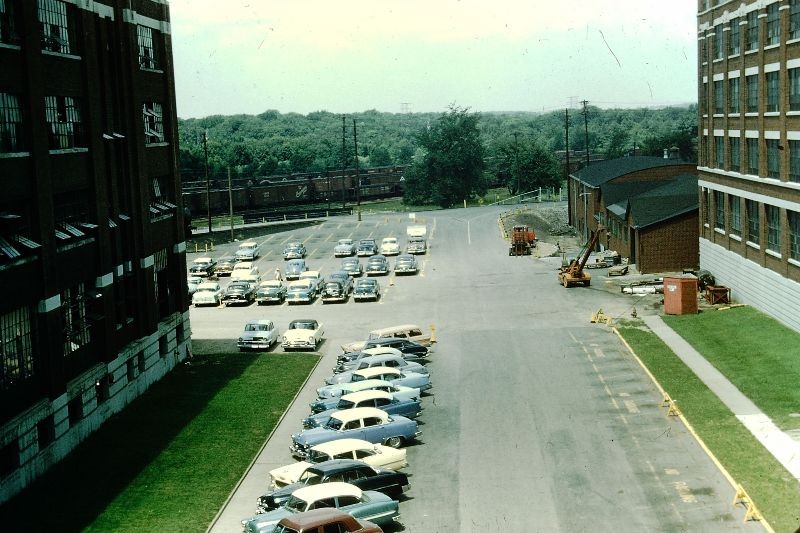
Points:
(669, 246)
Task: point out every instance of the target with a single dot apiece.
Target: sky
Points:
(345, 56)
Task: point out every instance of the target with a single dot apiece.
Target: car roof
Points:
(369, 373)
(309, 274)
(334, 447)
(358, 413)
(305, 282)
(389, 239)
(297, 320)
(393, 328)
(365, 384)
(381, 350)
(345, 241)
(272, 283)
(213, 284)
(248, 244)
(243, 265)
(311, 520)
(327, 490)
(335, 465)
(297, 261)
(203, 260)
(406, 256)
(360, 396)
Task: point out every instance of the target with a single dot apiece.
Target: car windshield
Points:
(357, 378)
(310, 478)
(296, 504)
(345, 242)
(256, 327)
(334, 423)
(301, 325)
(345, 404)
(315, 456)
(333, 285)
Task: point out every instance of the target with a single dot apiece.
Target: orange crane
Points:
(573, 273)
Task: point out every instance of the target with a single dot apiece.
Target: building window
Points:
(73, 313)
(718, 36)
(752, 31)
(733, 95)
(753, 222)
(10, 124)
(703, 50)
(794, 161)
(752, 156)
(704, 202)
(57, 24)
(735, 208)
(794, 235)
(752, 93)
(773, 24)
(16, 348)
(719, 98)
(8, 22)
(147, 48)
(64, 116)
(719, 143)
(794, 19)
(719, 209)
(773, 93)
(735, 163)
(773, 159)
(734, 45)
(153, 123)
(773, 228)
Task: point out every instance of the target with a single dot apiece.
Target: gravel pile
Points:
(556, 220)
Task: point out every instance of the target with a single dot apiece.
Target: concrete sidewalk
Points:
(778, 443)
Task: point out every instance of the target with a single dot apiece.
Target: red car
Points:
(322, 520)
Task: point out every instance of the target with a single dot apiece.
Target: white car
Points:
(315, 276)
(258, 335)
(248, 251)
(207, 293)
(245, 268)
(390, 246)
(302, 334)
(376, 455)
(344, 248)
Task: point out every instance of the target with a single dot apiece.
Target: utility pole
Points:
(344, 161)
(230, 200)
(566, 170)
(516, 163)
(208, 181)
(358, 177)
(586, 129)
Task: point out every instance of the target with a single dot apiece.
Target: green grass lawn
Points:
(168, 461)
(760, 356)
(775, 491)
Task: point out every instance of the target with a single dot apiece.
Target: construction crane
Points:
(573, 274)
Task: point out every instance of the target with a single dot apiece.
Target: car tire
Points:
(394, 442)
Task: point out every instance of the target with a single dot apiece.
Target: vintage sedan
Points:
(192, 282)
(359, 473)
(405, 264)
(315, 277)
(203, 266)
(224, 267)
(352, 266)
(301, 291)
(376, 455)
(243, 269)
(377, 265)
(348, 357)
(325, 519)
(365, 423)
(412, 351)
(295, 267)
(366, 247)
(366, 289)
(390, 246)
(392, 360)
(367, 398)
(294, 250)
(399, 391)
(258, 335)
(334, 291)
(238, 293)
(302, 334)
(367, 505)
(416, 245)
(207, 293)
(392, 375)
(404, 331)
(270, 291)
(248, 251)
(344, 248)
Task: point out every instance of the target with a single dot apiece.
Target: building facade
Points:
(92, 252)
(749, 155)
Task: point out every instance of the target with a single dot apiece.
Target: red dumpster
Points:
(680, 296)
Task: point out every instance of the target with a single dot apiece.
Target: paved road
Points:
(539, 422)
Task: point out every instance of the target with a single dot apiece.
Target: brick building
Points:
(749, 156)
(92, 253)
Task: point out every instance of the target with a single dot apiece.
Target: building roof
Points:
(598, 173)
(671, 199)
(613, 192)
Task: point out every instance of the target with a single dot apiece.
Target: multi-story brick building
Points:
(92, 253)
(749, 156)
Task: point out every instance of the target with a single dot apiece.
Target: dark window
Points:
(773, 24)
(736, 214)
(362, 454)
(752, 156)
(372, 421)
(752, 93)
(16, 348)
(719, 201)
(131, 370)
(752, 30)
(734, 40)
(153, 122)
(64, 117)
(794, 161)
(162, 346)
(704, 200)
(773, 228)
(76, 325)
(720, 151)
(8, 22)
(794, 235)
(718, 36)
(11, 139)
(344, 501)
(773, 159)
(9, 458)
(733, 95)
(773, 91)
(794, 19)
(753, 222)
(719, 98)
(337, 527)
(735, 163)
(57, 23)
(148, 58)
(45, 431)
(75, 410)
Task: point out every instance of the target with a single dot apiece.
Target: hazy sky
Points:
(247, 56)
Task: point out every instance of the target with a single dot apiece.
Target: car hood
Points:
(270, 291)
(289, 473)
(266, 521)
(314, 436)
(298, 333)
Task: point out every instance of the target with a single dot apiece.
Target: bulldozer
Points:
(573, 273)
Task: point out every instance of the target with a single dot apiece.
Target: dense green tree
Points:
(528, 165)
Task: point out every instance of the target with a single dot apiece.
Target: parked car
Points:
(334, 291)
(412, 351)
(405, 264)
(377, 265)
(294, 250)
(398, 391)
(301, 291)
(376, 455)
(239, 293)
(390, 246)
(403, 331)
(258, 335)
(192, 282)
(352, 266)
(202, 266)
(295, 267)
(224, 268)
(344, 248)
(365, 423)
(390, 360)
(366, 247)
(302, 334)
(325, 519)
(348, 357)
(366, 289)
(245, 268)
(207, 293)
(315, 277)
(389, 482)
(382, 400)
(392, 375)
(416, 245)
(270, 291)
(248, 251)
(367, 505)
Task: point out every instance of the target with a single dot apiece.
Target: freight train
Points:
(306, 188)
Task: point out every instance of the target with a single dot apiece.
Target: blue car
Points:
(384, 401)
(392, 375)
(398, 391)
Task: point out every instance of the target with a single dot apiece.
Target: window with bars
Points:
(773, 24)
(794, 161)
(733, 95)
(752, 31)
(73, 312)
(734, 38)
(57, 25)
(752, 156)
(773, 228)
(719, 98)
(148, 57)
(735, 155)
(64, 116)
(794, 89)
(735, 208)
(153, 122)
(16, 348)
(719, 210)
(773, 91)
(752, 93)
(11, 139)
(718, 37)
(8, 22)
(773, 159)
(753, 222)
(794, 234)
(794, 19)
(719, 143)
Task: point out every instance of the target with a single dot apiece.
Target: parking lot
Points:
(538, 420)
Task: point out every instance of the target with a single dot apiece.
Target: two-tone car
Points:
(412, 351)
(325, 519)
(352, 266)
(364, 505)
(192, 282)
(302, 334)
(376, 455)
(272, 291)
(377, 265)
(247, 251)
(344, 248)
(403, 331)
(315, 276)
(207, 293)
(224, 267)
(398, 391)
(294, 250)
(295, 267)
(346, 358)
(392, 375)
(242, 269)
(391, 360)
(390, 246)
(238, 293)
(405, 264)
(258, 335)
(366, 247)
(416, 245)
(366, 289)
(382, 400)
(203, 267)
(301, 291)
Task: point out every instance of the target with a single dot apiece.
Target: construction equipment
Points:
(523, 239)
(573, 273)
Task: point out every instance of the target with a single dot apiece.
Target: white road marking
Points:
(469, 234)
(630, 405)
(671, 471)
(684, 492)
(599, 353)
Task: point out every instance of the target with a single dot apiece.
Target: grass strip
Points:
(169, 460)
(775, 491)
(758, 354)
